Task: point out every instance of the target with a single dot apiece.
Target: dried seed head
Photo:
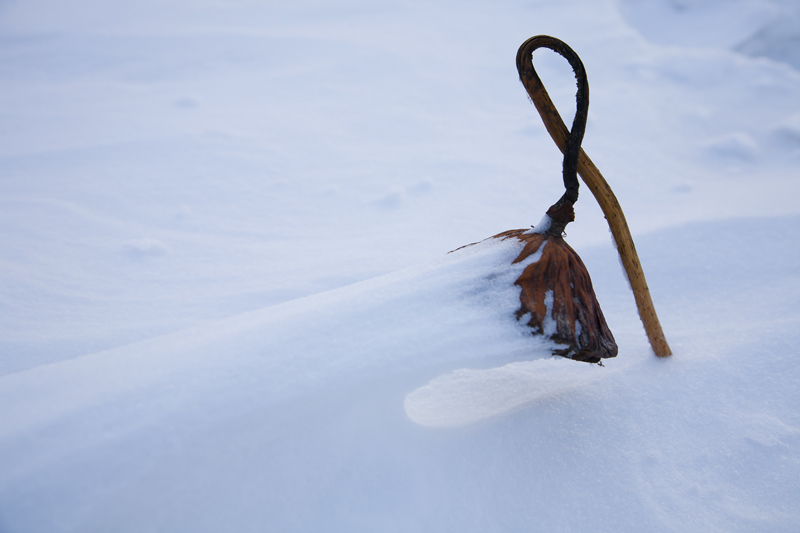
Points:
(557, 298)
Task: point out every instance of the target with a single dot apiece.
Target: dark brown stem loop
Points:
(528, 75)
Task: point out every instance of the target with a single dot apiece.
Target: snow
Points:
(467, 395)
(226, 301)
(542, 226)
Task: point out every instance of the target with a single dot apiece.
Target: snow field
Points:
(227, 302)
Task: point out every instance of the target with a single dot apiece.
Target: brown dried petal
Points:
(558, 297)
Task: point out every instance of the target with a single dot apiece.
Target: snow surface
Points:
(226, 301)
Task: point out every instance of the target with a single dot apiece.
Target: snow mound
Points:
(458, 308)
(468, 395)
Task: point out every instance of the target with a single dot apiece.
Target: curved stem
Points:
(596, 183)
(575, 137)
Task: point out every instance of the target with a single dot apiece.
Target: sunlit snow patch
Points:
(469, 395)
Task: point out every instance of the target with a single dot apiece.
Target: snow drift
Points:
(225, 299)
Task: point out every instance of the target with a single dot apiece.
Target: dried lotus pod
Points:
(557, 300)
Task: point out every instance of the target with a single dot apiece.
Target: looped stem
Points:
(573, 146)
(591, 176)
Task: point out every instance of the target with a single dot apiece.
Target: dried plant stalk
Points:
(563, 138)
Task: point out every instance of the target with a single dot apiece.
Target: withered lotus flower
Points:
(557, 300)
